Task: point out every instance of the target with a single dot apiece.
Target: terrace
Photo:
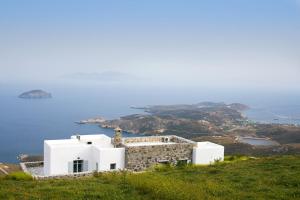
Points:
(155, 141)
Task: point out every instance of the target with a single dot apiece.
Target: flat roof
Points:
(73, 141)
(61, 141)
(90, 137)
(207, 144)
(155, 140)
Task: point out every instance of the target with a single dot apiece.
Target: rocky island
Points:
(35, 94)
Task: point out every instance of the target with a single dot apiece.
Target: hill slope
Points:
(262, 178)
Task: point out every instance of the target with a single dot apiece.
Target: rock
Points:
(35, 94)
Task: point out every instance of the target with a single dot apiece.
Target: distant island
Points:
(35, 94)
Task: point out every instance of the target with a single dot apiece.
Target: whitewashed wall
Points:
(62, 156)
(207, 154)
(47, 157)
(58, 159)
(108, 156)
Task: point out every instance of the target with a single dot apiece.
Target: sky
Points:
(217, 43)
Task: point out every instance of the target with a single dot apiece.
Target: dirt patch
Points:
(9, 168)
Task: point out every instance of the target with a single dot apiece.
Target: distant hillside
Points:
(211, 121)
(236, 178)
(185, 120)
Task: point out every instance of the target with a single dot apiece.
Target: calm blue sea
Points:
(24, 124)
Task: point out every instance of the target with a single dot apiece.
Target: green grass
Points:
(19, 176)
(239, 177)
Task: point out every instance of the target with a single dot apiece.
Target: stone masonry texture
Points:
(138, 158)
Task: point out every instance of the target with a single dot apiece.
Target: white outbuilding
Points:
(84, 153)
(205, 153)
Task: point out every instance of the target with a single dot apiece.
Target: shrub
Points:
(237, 158)
(162, 167)
(19, 176)
(96, 174)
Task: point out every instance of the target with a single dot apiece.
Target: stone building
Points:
(143, 152)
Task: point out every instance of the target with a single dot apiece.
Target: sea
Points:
(26, 123)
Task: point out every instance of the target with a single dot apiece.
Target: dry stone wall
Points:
(143, 139)
(138, 158)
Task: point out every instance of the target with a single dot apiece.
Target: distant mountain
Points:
(109, 76)
(35, 94)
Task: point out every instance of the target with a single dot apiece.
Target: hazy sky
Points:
(244, 43)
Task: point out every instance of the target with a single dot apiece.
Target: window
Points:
(77, 166)
(113, 166)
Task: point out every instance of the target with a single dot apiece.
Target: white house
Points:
(85, 153)
(88, 153)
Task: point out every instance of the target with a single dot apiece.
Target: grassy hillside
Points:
(242, 178)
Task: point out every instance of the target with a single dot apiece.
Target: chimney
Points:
(117, 137)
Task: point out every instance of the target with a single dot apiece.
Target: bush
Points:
(237, 158)
(162, 167)
(19, 176)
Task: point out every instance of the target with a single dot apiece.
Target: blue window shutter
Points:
(70, 167)
(85, 165)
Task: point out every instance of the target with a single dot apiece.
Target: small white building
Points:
(84, 153)
(207, 153)
(89, 153)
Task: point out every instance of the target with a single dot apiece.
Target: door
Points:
(77, 166)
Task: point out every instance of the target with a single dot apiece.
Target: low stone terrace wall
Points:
(181, 140)
(143, 139)
(35, 169)
(26, 165)
(172, 138)
(66, 176)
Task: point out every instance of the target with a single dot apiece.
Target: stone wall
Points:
(143, 139)
(138, 158)
(178, 139)
(172, 138)
(66, 176)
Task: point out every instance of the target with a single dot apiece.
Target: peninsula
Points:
(184, 120)
(220, 123)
